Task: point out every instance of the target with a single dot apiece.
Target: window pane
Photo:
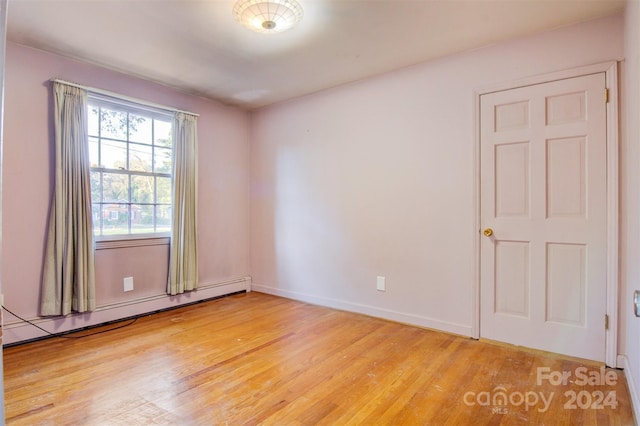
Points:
(115, 187)
(96, 209)
(115, 218)
(141, 219)
(142, 189)
(140, 158)
(113, 124)
(93, 152)
(163, 160)
(163, 218)
(93, 121)
(140, 129)
(163, 190)
(135, 196)
(162, 133)
(113, 155)
(96, 187)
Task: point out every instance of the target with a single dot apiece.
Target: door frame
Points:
(610, 69)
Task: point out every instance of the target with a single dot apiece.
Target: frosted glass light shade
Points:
(268, 16)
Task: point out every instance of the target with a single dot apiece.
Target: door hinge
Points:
(606, 321)
(606, 96)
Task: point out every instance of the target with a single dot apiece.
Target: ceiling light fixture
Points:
(268, 16)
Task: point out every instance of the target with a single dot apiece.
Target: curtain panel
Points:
(183, 256)
(68, 282)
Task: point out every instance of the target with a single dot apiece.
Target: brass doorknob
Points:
(488, 232)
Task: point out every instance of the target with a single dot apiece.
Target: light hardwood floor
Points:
(258, 359)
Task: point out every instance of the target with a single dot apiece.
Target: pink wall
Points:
(629, 347)
(27, 184)
(377, 178)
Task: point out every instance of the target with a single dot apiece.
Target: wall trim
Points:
(373, 311)
(17, 331)
(613, 214)
(623, 362)
(610, 70)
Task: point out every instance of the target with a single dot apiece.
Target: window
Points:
(131, 155)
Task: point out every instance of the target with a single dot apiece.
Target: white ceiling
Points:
(198, 47)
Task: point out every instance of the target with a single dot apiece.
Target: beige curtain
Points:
(183, 257)
(68, 282)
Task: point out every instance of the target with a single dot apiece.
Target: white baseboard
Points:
(373, 311)
(623, 362)
(19, 331)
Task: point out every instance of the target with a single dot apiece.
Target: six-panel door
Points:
(543, 194)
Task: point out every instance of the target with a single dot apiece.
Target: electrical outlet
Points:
(128, 284)
(380, 284)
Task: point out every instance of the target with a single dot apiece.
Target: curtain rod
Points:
(126, 98)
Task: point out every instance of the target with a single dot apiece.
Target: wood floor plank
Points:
(259, 359)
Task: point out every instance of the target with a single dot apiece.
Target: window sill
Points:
(126, 241)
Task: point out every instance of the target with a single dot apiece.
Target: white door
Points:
(543, 194)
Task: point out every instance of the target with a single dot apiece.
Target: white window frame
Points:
(126, 105)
